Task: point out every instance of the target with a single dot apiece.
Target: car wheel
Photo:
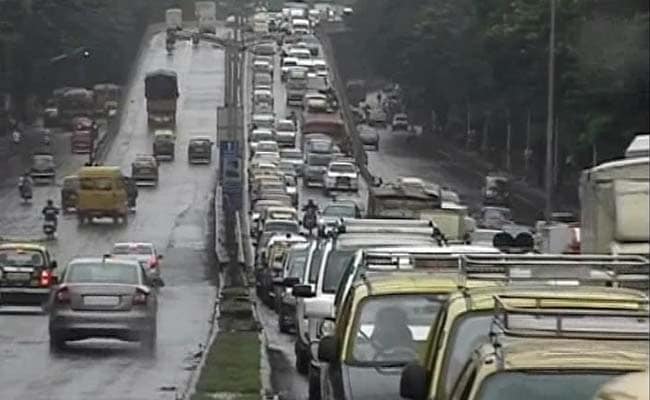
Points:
(57, 342)
(314, 383)
(302, 361)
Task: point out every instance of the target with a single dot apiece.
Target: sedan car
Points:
(142, 252)
(26, 274)
(144, 169)
(293, 156)
(400, 122)
(103, 298)
(288, 63)
(369, 139)
(43, 167)
(263, 120)
(285, 133)
(341, 175)
(333, 212)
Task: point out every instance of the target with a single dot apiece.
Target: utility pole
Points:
(550, 117)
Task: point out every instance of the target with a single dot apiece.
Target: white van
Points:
(300, 26)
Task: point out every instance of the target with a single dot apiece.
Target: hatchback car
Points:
(400, 122)
(285, 133)
(341, 175)
(144, 253)
(199, 150)
(144, 169)
(26, 274)
(103, 298)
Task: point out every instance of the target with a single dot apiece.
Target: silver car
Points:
(103, 298)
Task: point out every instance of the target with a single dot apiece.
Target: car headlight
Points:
(326, 328)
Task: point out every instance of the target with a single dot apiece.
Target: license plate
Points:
(101, 300)
(17, 276)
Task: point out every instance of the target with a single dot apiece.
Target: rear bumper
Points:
(79, 325)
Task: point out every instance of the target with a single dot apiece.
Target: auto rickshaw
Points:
(69, 193)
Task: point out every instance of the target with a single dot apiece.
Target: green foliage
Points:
(493, 55)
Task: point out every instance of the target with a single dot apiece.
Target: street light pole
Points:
(550, 117)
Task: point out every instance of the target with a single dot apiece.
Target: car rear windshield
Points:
(103, 273)
(281, 226)
(339, 211)
(543, 385)
(293, 155)
(319, 159)
(96, 184)
(132, 249)
(285, 126)
(21, 258)
(342, 168)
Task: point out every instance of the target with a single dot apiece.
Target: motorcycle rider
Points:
(50, 212)
(25, 186)
(309, 219)
(131, 191)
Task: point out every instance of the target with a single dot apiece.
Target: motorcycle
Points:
(25, 193)
(49, 228)
(195, 40)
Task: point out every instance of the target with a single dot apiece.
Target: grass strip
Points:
(232, 366)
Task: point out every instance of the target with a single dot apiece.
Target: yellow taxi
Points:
(102, 193)
(467, 320)
(382, 325)
(26, 274)
(537, 354)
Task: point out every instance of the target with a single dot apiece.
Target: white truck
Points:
(614, 197)
(174, 19)
(206, 15)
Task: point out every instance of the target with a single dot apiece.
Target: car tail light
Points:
(140, 297)
(153, 262)
(63, 295)
(45, 278)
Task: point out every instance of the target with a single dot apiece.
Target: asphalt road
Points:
(173, 216)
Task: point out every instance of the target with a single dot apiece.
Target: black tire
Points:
(302, 359)
(57, 342)
(314, 383)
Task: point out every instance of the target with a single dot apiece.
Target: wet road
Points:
(173, 216)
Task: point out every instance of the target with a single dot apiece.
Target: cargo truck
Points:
(206, 15)
(161, 92)
(614, 197)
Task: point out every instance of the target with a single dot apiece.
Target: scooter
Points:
(49, 229)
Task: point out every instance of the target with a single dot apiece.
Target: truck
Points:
(76, 102)
(161, 92)
(614, 200)
(174, 19)
(394, 200)
(330, 124)
(107, 97)
(206, 15)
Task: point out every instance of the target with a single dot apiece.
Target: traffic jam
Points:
(391, 289)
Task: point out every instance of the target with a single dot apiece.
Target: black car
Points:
(199, 150)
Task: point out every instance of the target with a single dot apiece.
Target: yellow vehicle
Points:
(539, 354)
(468, 318)
(632, 386)
(26, 274)
(383, 325)
(102, 194)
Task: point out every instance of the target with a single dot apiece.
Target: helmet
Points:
(310, 201)
(50, 202)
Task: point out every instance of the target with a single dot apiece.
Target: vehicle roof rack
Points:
(617, 271)
(415, 226)
(611, 319)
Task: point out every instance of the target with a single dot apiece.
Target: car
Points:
(293, 268)
(468, 314)
(337, 252)
(523, 358)
(258, 135)
(267, 146)
(268, 186)
(164, 144)
(273, 227)
(385, 320)
(293, 156)
(263, 120)
(144, 253)
(377, 118)
(400, 122)
(262, 80)
(320, 67)
(287, 168)
(262, 66)
(102, 297)
(144, 169)
(287, 64)
(263, 97)
(341, 175)
(27, 273)
(315, 168)
(264, 49)
(369, 138)
(269, 264)
(69, 193)
(291, 183)
(317, 83)
(43, 167)
(199, 150)
(334, 211)
(258, 210)
(266, 156)
(318, 143)
(494, 217)
(312, 44)
(285, 133)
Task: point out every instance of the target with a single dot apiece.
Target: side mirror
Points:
(327, 349)
(54, 264)
(303, 291)
(413, 383)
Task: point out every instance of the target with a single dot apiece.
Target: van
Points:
(102, 194)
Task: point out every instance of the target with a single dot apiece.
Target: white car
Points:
(287, 63)
(319, 66)
(285, 133)
(295, 157)
(263, 96)
(341, 175)
(267, 146)
(263, 120)
(262, 66)
(143, 252)
(266, 157)
(400, 122)
(299, 53)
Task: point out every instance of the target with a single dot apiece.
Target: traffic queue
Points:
(397, 304)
